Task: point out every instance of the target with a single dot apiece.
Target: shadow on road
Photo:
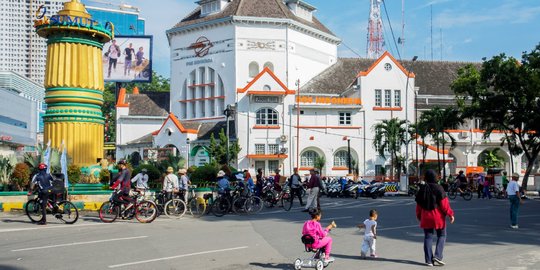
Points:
(272, 265)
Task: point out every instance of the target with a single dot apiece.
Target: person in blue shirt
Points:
(249, 180)
(223, 183)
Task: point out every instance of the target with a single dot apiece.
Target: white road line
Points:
(176, 257)
(326, 219)
(80, 243)
(51, 227)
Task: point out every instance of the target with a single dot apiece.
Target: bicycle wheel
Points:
(197, 207)
(33, 210)
(108, 212)
(452, 194)
(175, 208)
(239, 205)
(467, 195)
(146, 211)
(269, 199)
(253, 205)
(286, 201)
(220, 207)
(67, 212)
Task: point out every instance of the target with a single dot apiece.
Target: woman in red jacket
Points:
(432, 208)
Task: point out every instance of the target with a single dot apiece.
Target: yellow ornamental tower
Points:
(74, 81)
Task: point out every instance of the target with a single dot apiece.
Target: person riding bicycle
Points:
(123, 184)
(461, 181)
(249, 181)
(141, 180)
(170, 183)
(223, 183)
(183, 184)
(43, 181)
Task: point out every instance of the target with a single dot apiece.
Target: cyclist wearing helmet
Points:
(141, 180)
(123, 183)
(43, 181)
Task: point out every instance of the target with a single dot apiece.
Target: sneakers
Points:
(329, 259)
(514, 226)
(362, 256)
(438, 261)
(373, 256)
(429, 264)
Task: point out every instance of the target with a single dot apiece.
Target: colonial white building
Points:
(294, 99)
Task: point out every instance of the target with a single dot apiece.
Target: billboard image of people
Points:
(128, 59)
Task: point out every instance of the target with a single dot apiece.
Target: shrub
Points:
(74, 174)
(20, 176)
(206, 173)
(105, 177)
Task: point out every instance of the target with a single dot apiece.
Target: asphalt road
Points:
(479, 239)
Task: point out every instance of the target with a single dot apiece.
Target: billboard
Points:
(128, 59)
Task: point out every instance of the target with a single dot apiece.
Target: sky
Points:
(460, 30)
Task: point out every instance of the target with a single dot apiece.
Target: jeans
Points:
(514, 209)
(312, 198)
(486, 192)
(428, 244)
(297, 192)
(44, 197)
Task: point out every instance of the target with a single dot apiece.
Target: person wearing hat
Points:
(123, 183)
(170, 183)
(222, 183)
(313, 190)
(43, 181)
(183, 184)
(515, 200)
(141, 180)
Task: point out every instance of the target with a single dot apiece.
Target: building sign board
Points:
(329, 100)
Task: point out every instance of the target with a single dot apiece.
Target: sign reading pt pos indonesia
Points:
(128, 59)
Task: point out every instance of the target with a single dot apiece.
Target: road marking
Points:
(176, 257)
(469, 209)
(395, 228)
(51, 227)
(80, 243)
(326, 219)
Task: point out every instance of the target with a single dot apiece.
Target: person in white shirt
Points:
(515, 200)
(370, 235)
(170, 183)
(141, 180)
(183, 184)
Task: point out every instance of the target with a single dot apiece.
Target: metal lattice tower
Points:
(375, 39)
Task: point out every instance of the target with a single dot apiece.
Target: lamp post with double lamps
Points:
(407, 123)
(229, 111)
(187, 151)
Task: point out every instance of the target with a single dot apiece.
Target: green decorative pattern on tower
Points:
(84, 41)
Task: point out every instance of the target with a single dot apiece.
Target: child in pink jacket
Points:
(314, 228)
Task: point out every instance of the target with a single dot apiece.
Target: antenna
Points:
(375, 31)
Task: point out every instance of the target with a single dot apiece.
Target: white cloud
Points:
(468, 40)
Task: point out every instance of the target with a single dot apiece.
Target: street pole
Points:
(187, 153)
(416, 133)
(227, 113)
(298, 124)
(349, 155)
(407, 124)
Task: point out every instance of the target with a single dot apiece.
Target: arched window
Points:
(267, 117)
(267, 87)
(341, 159)
(269, 65)
(253, 69)
(307, 159)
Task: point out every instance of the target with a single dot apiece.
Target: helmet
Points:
(42, 166)
(122, 162)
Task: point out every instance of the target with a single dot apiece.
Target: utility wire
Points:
(391, 30)
(350, 49)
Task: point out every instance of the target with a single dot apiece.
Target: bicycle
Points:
(246, 203)
(285, 197)
(176, 207)
(196, 205)
(63, 210)
(144, 211)
(498, 192)
(465, 194)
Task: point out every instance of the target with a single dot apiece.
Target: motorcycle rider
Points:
(43, 180)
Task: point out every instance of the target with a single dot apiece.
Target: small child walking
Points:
(370, 235)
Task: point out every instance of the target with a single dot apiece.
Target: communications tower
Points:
(375, 39)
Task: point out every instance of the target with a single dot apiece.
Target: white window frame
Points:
(267, 117)
(378, 98)
(345, 118)
(260, 149)
(341, 158)
(387, 98)
(307, 159)
(273, 149)
(397, 98)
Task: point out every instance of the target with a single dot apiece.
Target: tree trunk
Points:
(438, 156)
(392, 166)
(443, 159)
(530, 165)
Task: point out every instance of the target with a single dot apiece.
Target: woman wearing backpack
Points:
(432, 208)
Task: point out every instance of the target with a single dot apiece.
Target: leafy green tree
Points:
(390, 136)
(505, 95)
(218, 149)
(319, 163)
(491, 159)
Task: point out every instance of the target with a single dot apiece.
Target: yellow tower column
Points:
(74, 81)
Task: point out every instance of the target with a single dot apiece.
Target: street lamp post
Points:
(187, 153)
(416, 132)
(228, 113)
(407, 123)
(349, 155)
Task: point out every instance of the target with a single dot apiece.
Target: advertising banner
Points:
(128, 59)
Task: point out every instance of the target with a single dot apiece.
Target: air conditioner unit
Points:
(283, 150)
(283, 138)
(464, 134)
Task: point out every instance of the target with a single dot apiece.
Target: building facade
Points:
(21, 50)
(126, 18)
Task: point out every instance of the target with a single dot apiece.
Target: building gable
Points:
(392, 59)
(266, 83)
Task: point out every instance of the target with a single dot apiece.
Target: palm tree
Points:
(390, 136)
(422, 130)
